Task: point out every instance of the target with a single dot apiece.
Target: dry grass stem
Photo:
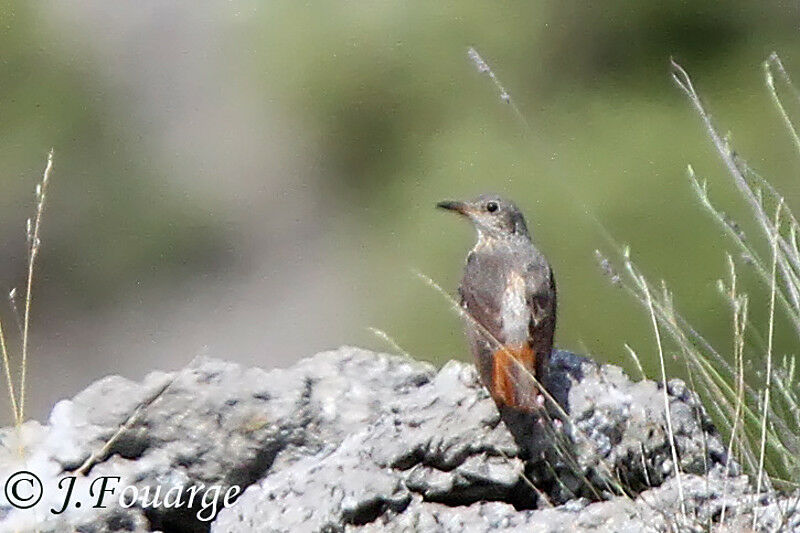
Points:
(33, 252)
(670, 432)
(389, 340)
(32, 229)
(12, 396)
(484, 68)
(768, 382)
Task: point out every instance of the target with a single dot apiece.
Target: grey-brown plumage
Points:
(509, 295)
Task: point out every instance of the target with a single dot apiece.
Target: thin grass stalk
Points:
(9, 381)
(736, 305)
(635, 358)
(765, 185)
(717, 386)
(768, 79)
(484, 68)
(677, 327)
(12, 301)
(33, 251)
(720, 389)
(672, 323)
(768, 383)
(388, 340)
(776, 60)
(784, 386)
(699, 421)
(667, 415)
(739, 325)
(684, 82)
(728, 157)
(760, 268)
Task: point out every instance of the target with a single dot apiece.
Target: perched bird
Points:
(508, 294)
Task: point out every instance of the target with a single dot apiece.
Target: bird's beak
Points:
(458, 207)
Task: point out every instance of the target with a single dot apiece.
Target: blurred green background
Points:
(256, 180)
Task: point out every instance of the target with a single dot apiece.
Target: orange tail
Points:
(512, 382)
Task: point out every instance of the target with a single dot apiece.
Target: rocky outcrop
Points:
(351, 439)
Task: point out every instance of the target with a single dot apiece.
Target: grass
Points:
(759, 412)
(17, 393)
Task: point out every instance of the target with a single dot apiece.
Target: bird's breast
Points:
(514, 309)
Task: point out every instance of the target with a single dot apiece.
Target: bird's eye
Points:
(491, 207)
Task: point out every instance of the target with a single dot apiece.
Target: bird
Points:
(508, 295)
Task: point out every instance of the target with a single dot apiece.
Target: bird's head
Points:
(493, 217)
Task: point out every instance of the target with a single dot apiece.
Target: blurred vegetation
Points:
(403, 119)
(113, 223)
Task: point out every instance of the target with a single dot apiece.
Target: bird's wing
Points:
(541, 300)
(481, 292)
(481, 298)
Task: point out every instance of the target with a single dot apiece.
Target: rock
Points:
(352, 439)
(216, 423)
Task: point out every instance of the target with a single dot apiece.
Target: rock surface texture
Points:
(352, 440)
